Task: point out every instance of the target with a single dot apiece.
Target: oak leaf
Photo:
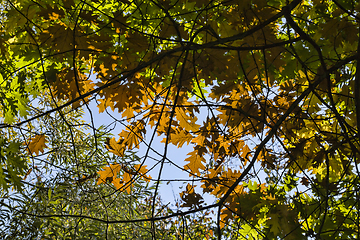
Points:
(274, 222)
(132, 137)
(191, 199)
(141, 169)
(127, 182)
(37, 144)
(109, 173)
(186, 121)
(246, 153)
(179, 138)
(115, 147)
(195, 163)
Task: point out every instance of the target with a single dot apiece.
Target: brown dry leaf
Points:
(191, 198)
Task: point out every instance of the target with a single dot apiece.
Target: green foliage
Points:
(12, 164)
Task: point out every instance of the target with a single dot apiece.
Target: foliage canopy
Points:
(262, 96)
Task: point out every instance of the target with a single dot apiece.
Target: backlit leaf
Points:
(37, 144)
(195, 163)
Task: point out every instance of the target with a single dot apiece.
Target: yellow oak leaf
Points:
(128, 181)
(129, 176)
(37, 144)
(109, 173)
(118, 183)
(187, 122)
(121, 98)
(142, 170)
(128, 113)
(195, 163)
(180, 137)
(132, 137)
(199, 140)
(213, 172)
(115, 147)
(103, 104)
(246, 153)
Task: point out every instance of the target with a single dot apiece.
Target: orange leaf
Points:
(115, 147)
(118, 183)
(142, 170)
(128, 182)
(134, 136)
(121, 98)
(246, 152)
(109, 174)
(199, 140)
(37, 144)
